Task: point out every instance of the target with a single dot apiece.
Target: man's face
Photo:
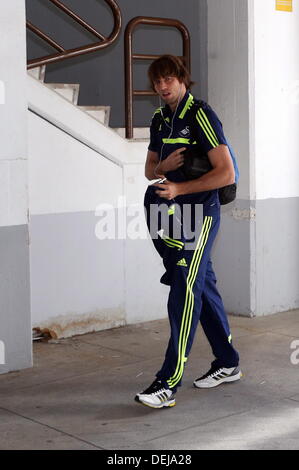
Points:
(170, 89)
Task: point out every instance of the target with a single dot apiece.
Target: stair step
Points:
(100, 113)
(139, 133)
(69, 91)
(38, 73)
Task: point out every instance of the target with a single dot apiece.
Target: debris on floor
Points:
(44, 334)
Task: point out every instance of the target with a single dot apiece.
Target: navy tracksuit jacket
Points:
(184, 242)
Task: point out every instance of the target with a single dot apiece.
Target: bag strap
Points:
(197, 104)
(157, 120)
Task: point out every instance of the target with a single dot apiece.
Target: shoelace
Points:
(216, 373)
(155, 387)
(158, 392)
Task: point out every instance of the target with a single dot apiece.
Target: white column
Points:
(276, 65)
(230, 91)
(15, 323)
(253, 64)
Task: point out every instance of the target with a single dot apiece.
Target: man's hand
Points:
(174, 161)
(167, 190)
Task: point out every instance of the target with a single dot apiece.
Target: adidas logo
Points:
(183, 263)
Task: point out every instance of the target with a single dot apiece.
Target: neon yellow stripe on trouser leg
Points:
(189, 301)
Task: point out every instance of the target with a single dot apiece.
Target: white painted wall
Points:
(72, 272)
(276, 110)
(230, 92)
(77, 165)
(253, 81)
(13, 117)
(276, 100)
(253, 88)
(15, 321)
(228, 78)
(67, 176)
(145, 297)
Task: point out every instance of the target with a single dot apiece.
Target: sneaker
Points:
(156, 396)
(218, 376)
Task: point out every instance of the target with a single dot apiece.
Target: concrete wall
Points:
(277, 157)
(250, 84)
(277, 101)
(71, 271)
(83, 281)
(253, 85)
(15, 321)
(101, 74)
(228, 89)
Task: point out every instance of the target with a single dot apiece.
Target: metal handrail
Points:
(65, 54)
(129, 57)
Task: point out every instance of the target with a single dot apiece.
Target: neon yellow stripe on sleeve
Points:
(208, 134)
(203, 114)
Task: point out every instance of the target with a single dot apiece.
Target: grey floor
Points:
(79, 394)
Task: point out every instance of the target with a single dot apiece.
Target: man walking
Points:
(193, 294)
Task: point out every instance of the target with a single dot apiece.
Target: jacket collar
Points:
(183, 106)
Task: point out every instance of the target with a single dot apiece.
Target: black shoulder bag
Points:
(197, 164)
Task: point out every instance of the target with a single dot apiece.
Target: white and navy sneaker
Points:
(156, 396)
(215, 377)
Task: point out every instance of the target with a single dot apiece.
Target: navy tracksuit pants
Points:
(193, 293)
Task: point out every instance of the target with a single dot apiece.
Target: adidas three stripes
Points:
(193, 294)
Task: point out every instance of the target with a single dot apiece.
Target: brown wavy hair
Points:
(169, 66)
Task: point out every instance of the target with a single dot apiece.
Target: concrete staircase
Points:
(77, 166)
(70, 91)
